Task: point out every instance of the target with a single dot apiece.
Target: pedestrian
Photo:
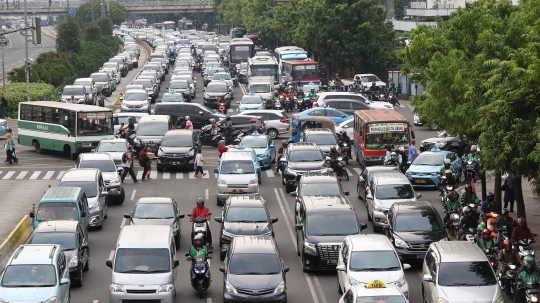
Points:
(73, 100)
(149, 150)
(144, 162)
(413, 153)
(3, 106)
(198, 163)
(10, 148)
(227, 129)
(509, 196)
(101, 100)
(221, 148)
(127, 159)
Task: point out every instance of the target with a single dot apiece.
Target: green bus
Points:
(64, 127)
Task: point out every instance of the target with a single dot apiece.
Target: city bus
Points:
(289, 53)
(256, 39)
(238, 32)
(307, 71)
(64, 127)
(264, 66)
(375, 129)
(169, 25)
(240, 49)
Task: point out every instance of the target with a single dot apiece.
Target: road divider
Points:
(18, 236)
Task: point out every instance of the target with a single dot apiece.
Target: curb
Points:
(18, 236)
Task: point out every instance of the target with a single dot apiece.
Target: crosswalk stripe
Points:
(192, 176)
(269, 173)
(60, 175)
(35, 175)
(153, 174)
(22, 175)
(166, 175)
(357, 170)
(48, 175)
(8, 175)
(179, 175)
(349, 172)
(207, 176)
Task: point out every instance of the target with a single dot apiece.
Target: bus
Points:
(158, 25)
(375, 129)
(240, 49)
(307, 71)
(45, 21)
(238, 32)
(185, 24)
(169, 25)
(256, 39)
(264, 66)
(288, 53)
(64, 127)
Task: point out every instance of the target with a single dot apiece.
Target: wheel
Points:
(80, 282)
(200, 291)
(297, 246)
(219, 203)
(304, 262)
(100, 226)
(283, 181)
(358, 192)
(369, 217)
(159, 168)
(87, 265)
(346, 175)
(272, 133)
(339, 287)
(222, 255)
(288, 188)
(120, 199)
(177, 241)
(106, 210)
(37, 147)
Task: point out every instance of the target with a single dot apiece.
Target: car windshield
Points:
(254, 142)
(418, 222)
(154, 211)
(143, 82)
(103, 165)
(251, 100)
(50, 211)
(374, 261)
(259, 88)
(72, 91)
(217, 88)
(152, 128)
(90, 188)
(105, 147)
(466, 274)
(312, 189)
(172, 98)
(246, 214)
(237, 167)
(133, 96)
(179, 85)
(94, 123)
(254, 264)
(322, 139)
(223, 45)
(429, 160)
(401, 191)
(67, 241)
(184, 77)
(320, 224)
(177, 141)
(370, 79)
(142, 260)
(83, 82)
(385, 299)
(29, 276)
(224, 76)
(305, 156)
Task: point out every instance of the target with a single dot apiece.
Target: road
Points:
(36, 171)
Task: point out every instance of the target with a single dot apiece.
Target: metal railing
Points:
(434, 5)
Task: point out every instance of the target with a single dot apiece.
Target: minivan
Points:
(78, 92)
(144, 265)
(151, 129)
(237, 175)
(62, 203)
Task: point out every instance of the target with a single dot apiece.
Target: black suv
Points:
(322, 224)
(299, 159)
(412, 227)
(198, 114)
(178, 149)
(323, 137)
(243, 216)
(214, 91)
(444, 141)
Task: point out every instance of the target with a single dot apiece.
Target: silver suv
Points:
(111, 178)
(277, 122)
(78, 92)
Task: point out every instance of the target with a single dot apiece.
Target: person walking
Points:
(413, 153)
(198, 163)
(127, 159)
(148, 150)
(3, 106)
(101, 99)
(144, 163)
(10, 148)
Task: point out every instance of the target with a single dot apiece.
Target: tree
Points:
(106, 26)
(68, 36)
(399, 9)
(117, 12)
(231, 10)
(92, 32)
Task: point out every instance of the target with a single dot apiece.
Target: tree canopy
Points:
(117, 12)
(68, 38)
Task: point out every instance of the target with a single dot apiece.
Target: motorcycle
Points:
(222, 106)
(345, 150)
(300, 104)
(446, 189)
(197, 67)
(492, 224)
(525, 248)
(277, 105)
(381, 97)
(338, 167)
(491, 255)
(470, 171)
(453, 222)
(392, 98)
(287, 104)
(469, 235)
(200, 273)
(507, 281)
(200, 227)
(205, 138)
(532, 293)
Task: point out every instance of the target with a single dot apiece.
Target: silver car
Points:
(237, 175)
(277, 122)
(114, 148)
(110, 173)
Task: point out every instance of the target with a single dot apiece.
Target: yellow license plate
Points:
(420, 181)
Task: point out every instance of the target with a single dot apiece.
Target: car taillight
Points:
(315, 105)
(284, 120)
(2, 124)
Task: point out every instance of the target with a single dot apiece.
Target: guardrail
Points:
(18, 236)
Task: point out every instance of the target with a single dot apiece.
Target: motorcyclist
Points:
(321, 89)
(130, 127)
(469, 196)
(201, 211)
(300, 94)
(252, 127)
(485, 242)
(479, 229)
(448, 179)
(198, 250)
(281, 152)
(312, 93)
(452, 205)
(180, 123)
(521, 232)
(227, 129)
(189, 124)
(334, 154)
(508, 255)
(393, 89)
(276, 96)
(339, 83)
(344, 137)
(466, 222)
(473, 157)
(488, 206)
(404, 159)
(332, 86)
(394, 160)
(287, 93)
(221, 148)
(527, 274)
(373, 88)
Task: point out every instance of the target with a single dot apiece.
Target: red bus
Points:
(375, 129)
(307, 71)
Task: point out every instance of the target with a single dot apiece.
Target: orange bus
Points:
(375, 129)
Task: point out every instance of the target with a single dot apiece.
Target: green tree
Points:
(106, 25)
(399, 9)
(117, 12)
(68, 37)
(92, 32)
(231, 10)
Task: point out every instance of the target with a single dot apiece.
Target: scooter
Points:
(470, 171)
(338, 167)
(200, 227)
(525, 248)
(205, 138)
(491, 255)
(200, 273)
(345, 150)
(287, 104)
(222, 106)
(507, 281)
(453, 223)
(277, 105)
(532, 293)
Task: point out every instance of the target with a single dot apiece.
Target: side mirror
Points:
(64, 281)
(341, 268)
(83, 214)
(32, 215)
(418, 195)
(222, 269)
(406, 266)
(346, 193)
(218, 219)
(84, 246)
(427, 278)
(286, 269)
(273, 219)
(299, 227)
(176, 262)
(412, 134)
(181, 216)
(216, 171)
(293, 194)
(201, 113)
(108, 263)
(237, 102)
(127, 216)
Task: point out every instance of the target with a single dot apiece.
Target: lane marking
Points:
(35, 175)
(124, 221)
(204, 177)
(270, 173)
(22, 175)
(349, 172)
(8, 175)
(319, 289)
(179, 175)
(60, 175)
(357, 170)
(95, 301)
(209, 300)
(111, 256)
(48, 175)
(206, 194)
(153, 174)
(166, 175)
(133, 194)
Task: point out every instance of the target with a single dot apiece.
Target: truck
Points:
(185, 24)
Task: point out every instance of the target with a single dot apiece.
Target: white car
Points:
(375, 291)
(347, 125)
(326, 96)
(365, 258)
(368, 79)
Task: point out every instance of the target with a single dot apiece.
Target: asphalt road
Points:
(180, 185)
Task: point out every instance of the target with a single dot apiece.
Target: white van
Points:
(263, 86)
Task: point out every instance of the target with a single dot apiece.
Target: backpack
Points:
(124, 158)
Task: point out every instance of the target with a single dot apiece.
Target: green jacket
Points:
(470, 156)
(198, 253)
(320, 91)
(486, 244)
(443, 169)
(392, 89)
(312, 95)
(228, 127)
(452, 205)
(392, 163)
(474, 198)
(528, 278)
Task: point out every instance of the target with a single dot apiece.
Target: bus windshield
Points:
(305, 71)
(264, 70)
(93, 124)
(378, 135)
(240, 52)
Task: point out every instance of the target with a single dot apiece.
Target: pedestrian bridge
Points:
(132, 7)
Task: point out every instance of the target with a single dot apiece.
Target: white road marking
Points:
(358, 170)
(124, 221)
(206, 194)
(349, 172)
(60, 175)
(8, 175)
(179, 175)
(95, 301)
(133, 194)
(48, 175)
(270, 173)
(22, 175)
(319, 288)
(153, 174)
(35, 175)
(166, 175)
(192, 176)
(111, 256)
(209, 300)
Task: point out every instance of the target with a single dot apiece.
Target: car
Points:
(151, 129)
(173, 96)
(277, 122)
(444, 141)
(368, 79)
(424, 170)
(123, 117)
(224, 76)
(323, 137)
(367, 174)
(254, 157)
(324, 97)
(243, 216)
(90, 85)
(412, 227)
(3, 126)
(242, 122)
(384, 190)
(375, 291)
(114, 78)
(250, 102)
(114, 148)
(73, 240)
(36, 273)
(364, 258)
(299, 159)
(199, 114)
(190, 80)
(78, 92)
(149, 87)
(322, 223)
(331, 113)
(214, 91)
(263, 146)
(419, 122)
(237, 174)
(178, 149)
(91, 181)
(178, 89)
(458, 271)
(254, 271)
(347, 125)
(136, 100)
(157, 211)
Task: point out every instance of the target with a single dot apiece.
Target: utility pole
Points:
(3, 61)
(93, 2)
(102, 9)
(26, 65)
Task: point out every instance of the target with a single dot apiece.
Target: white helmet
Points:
(212, 120)
(187, 118)
(198, 237)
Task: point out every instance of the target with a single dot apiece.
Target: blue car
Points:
(3, 127)
(250, 102)
(328, 112)
(425, 169)
(253, 154)
(263, 146)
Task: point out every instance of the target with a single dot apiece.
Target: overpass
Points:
(132, 7)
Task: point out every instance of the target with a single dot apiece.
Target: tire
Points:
(106, 210)
(37, 147)
(288, 188)
(339, 287)
(222, 256)
(219, 203)
(369, 217)
(272, 133)
(87, 265)
(80, 282)
(283, 181)
(346, 175)
(358, 195)
(120, 199)
(304, 262)
(200, 291)
(177, 241)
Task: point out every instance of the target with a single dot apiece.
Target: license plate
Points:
(419, 256)
(238, 191)
(331, 262)
(420, 181)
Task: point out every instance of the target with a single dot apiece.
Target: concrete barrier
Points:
(18, 236)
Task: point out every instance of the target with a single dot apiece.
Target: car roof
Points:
(316, 177)
(77, 86)
(381, 168)
(253, 245)
(55, 194)
(64, 226)
(84, 79)
(179, 133)
(393, 178)
(370, 242)
(97, 156)
(413, 207)
(35, 254)
(303, 146)
(458, 251)
(136, 236)
(115, 140)
(327, 203)
(136, 90)
(154, 118)
(81, 174)
(130, 114)
(440, 152)
(318, 130)
(257, 111)
(236, 156)
(154, 200)
(245, 201)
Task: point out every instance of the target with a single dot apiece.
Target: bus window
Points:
(37, 112)
(26, 112)
(92, 123)
(47, 115)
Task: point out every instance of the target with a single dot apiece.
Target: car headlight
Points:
(352, 281)
(221, 182)
(166, 288)
(114, 181)
(263, 155)
(116, 287)
(401, 282)
(310, 246)
(229, 288)
(254, 181)
(441, 300)
(94, 206)
(206, 96)
(280, 288)
(501, 299)
(400, 243)
(408, 173)
(64, 100)
(440, 144)
(74, 261)
(434, 174)
(378, 208)
(51, 300)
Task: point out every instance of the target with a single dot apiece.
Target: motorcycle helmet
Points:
(373, 84)
(393, 157)
(130, 119)
(392, 84)
(252, 121)
(506, 242)
(401, 149)
(343, 132)
(474, 148)
(467, 187)
(284, 143)
(481, 227)
(504, 211)
(200, 201)
(313, 89)
(222, 142)
(485, 232)
(198, 237)
(228, 118)
(212, 120)
(187, 118)
(447, 161)
(333, 149)
(467, 210)
(521, 220)
(490, 197)
(453, 196)
(392, 154)
(528, 261)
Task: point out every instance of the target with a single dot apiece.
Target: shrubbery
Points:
(16, 92)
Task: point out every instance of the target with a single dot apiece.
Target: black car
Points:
(347, 106)
(178, 149)
(74, 242)
(214, 91)
(444, 141)
(243, 216)
(198, 114)
(412, 227)
(157, 211)
(254, 271)
(366, 176)
(322, 223)
(299, 159)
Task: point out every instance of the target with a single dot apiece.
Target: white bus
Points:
(169, 25)
(240, 49)
(289, 53)
(264, 66)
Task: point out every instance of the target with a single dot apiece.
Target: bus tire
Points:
(37, 147)
(67, 150)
